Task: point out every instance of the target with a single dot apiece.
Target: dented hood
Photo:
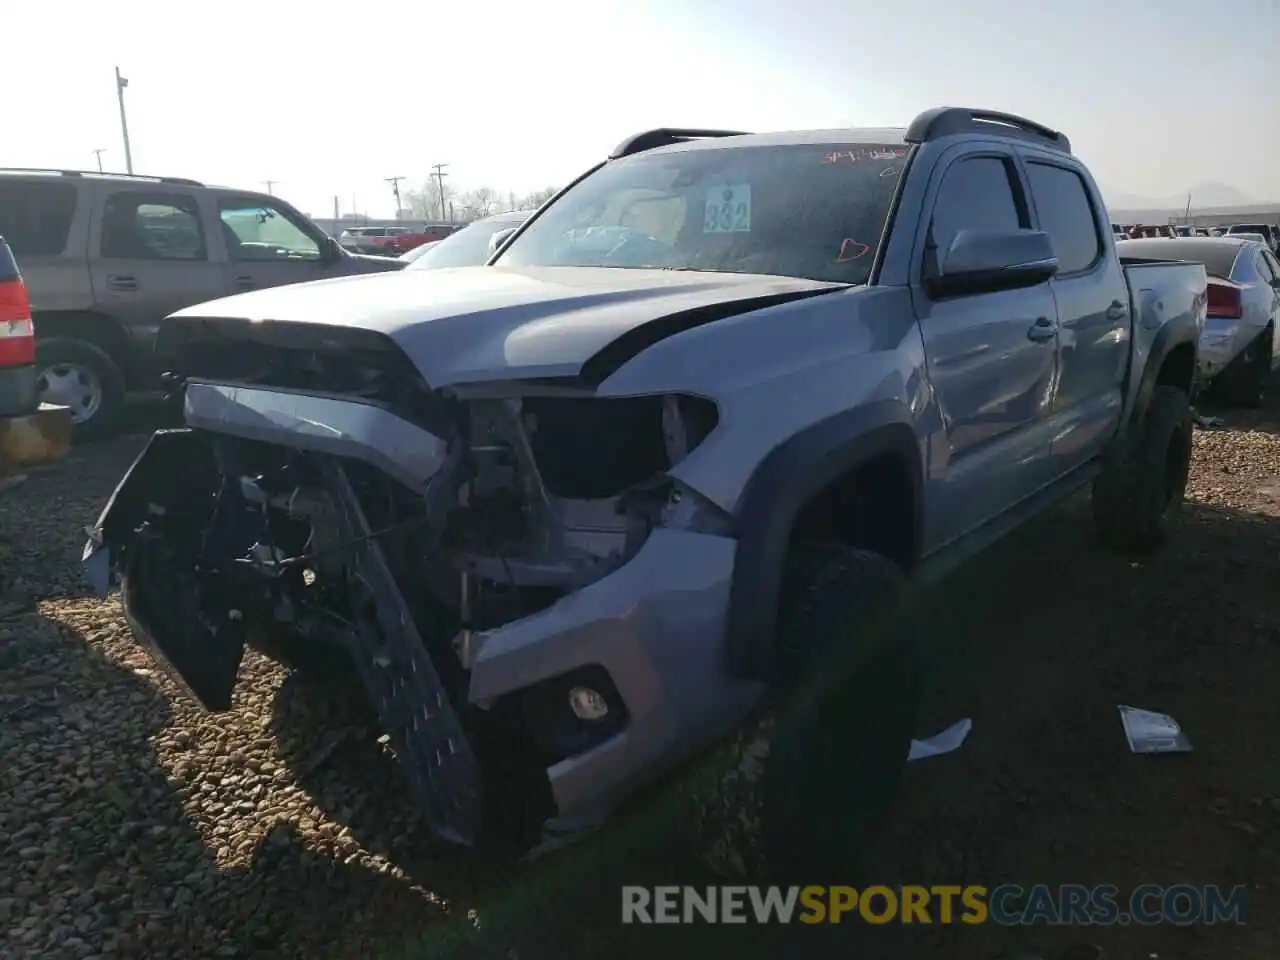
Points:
(472, 324)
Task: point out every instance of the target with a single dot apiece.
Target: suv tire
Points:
(1141, 488)
(87, 370)
(811, 779)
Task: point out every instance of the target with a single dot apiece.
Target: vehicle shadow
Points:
(104, 856)
(1037, 643)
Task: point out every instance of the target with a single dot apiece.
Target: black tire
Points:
(798, 791)
(1141, 488)
(1244, 383)
(65, 356)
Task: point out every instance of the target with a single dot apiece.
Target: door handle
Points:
(243, 282)
(1043, 329)
(1118, 310)
(122, 283)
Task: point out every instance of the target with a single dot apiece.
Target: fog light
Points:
(587, 704)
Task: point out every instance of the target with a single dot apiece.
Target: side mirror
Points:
(987, 261)
(499, 238)
(332, 251)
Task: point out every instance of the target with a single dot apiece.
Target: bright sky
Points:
(328, 99)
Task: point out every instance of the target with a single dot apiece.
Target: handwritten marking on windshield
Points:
(863, 153)
(851, 250)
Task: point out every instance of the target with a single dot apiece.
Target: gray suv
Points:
(107, 257)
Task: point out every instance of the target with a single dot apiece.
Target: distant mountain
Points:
(1202, 195)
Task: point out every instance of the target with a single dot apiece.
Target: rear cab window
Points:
(36, 215)
(811, 210)
(1064, 207)
(152, 225)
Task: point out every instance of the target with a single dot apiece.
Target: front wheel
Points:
(82, 377)
(808, 782)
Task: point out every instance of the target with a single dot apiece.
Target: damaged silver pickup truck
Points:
(576, 515)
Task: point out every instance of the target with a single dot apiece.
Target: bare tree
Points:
(480, 202)
(536, 199)
(423, 203)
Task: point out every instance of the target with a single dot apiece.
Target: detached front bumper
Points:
(655, 626)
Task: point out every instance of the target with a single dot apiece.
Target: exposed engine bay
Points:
(225, 540)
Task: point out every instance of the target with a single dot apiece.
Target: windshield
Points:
(798, 210)
(468, 247)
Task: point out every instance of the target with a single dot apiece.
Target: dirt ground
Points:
(133, 825)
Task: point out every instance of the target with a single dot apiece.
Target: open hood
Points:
(473, 324)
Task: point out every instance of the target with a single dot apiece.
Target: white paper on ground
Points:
(940, 743)
(1149, 732)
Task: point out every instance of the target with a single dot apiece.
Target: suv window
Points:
(152, 226)
(1066, 214)
(256, 230)
(795, 210)
(977, 193)
(35, 216)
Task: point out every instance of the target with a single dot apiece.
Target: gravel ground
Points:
(133, 825)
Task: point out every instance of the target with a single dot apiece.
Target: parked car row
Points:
(660, 468)
(1265, 233)
(392, 241)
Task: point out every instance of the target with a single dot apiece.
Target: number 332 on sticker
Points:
(728, 209)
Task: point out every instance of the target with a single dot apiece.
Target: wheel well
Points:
(1179, 368)
(870, 506)
(99, 329)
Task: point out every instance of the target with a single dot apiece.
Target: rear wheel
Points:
(82, 377)
(1141, 488)
(1245, 382)
(810, 780)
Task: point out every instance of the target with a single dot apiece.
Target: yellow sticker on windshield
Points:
(728, 209)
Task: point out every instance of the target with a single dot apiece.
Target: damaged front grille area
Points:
(348, 362)
(287, 540)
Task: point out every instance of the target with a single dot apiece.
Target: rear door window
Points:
(1066, 214)
(35, 216)
(149, 225)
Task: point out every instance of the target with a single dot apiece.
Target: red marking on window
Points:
(852, 250)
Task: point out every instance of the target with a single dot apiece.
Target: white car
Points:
(1238, 346)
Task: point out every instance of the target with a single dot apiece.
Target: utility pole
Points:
(270, 185)
(395, 188)
(121, 83)
(98, 153)
(437, 171)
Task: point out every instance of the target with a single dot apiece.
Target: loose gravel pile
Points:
(134, 825)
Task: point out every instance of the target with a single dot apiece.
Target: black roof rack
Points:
(105, 175)
(665, 136)
(944, 121)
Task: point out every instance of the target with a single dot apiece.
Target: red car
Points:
(391, 241)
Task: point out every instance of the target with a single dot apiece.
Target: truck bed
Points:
(1161, 291)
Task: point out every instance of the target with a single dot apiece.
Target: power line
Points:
(437, 171)
(395, 188)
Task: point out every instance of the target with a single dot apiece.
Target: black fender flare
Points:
(1171, 335)
(782, 483)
